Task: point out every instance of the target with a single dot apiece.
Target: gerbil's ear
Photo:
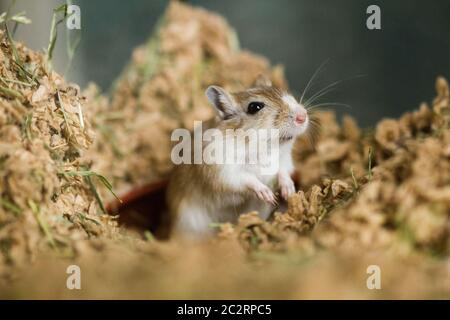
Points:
(262, 81)
(222, 101)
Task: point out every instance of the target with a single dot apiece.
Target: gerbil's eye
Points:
(254, 107)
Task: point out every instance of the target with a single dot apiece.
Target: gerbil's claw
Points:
(287, 189)
(275, 202)
(266, 194)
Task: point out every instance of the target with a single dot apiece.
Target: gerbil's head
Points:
(261, 107)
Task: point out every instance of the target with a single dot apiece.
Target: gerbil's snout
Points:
(300, 118)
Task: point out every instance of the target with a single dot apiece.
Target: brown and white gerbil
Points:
(201, 194)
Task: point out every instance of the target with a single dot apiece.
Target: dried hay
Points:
(45, 200)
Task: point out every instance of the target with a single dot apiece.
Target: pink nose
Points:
(300, 118)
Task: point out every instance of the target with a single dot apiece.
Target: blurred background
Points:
(399, 63)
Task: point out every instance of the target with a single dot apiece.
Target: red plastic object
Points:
(144, 208)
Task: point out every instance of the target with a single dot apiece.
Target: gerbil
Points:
(201, 194)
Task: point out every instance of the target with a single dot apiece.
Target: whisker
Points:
(312, 99)
(312, 136)
(313, 116)
(314, 124)
(328, 87)
(312, 78)
(310, 140)
(323, 91)
(337, 104)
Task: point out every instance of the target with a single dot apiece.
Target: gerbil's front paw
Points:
(264, 193)
(287, 187)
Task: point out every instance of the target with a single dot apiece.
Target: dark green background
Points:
(400, 62)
